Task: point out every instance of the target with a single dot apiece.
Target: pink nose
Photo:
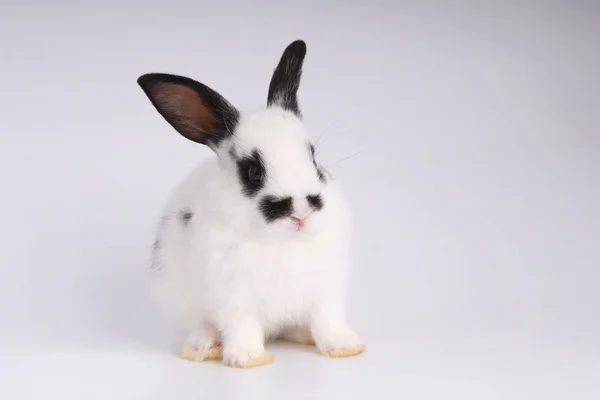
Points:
(298, 223)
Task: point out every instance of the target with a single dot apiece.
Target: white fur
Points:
(229, 274)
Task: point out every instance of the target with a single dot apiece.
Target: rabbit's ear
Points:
(195, 111)
(283, 88)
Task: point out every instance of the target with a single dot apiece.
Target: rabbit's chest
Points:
(281, 284)
(282, 275)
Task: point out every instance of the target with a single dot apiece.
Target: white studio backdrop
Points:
(468, 138)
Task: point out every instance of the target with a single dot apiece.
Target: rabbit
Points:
(254, 244)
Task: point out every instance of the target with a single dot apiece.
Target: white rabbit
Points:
(253, 244)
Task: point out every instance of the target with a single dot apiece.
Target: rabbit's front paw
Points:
(243, 345)
(341, 344)
(202, 345)
(247, 357)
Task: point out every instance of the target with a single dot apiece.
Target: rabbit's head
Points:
(267, 152)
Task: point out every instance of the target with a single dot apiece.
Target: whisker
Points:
(347, 109)
(329, 137)
(345, 158)
(326, 130)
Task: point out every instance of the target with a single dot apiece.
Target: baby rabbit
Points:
(254, 244)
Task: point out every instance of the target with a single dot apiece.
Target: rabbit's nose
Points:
(298, 222)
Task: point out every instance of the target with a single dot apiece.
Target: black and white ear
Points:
(196, 111)
(283, 89)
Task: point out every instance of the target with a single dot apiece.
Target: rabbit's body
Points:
(253, 244)
(204, 259)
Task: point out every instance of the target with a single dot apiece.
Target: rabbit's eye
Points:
(255, 174)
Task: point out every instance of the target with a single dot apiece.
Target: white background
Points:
(476, 193)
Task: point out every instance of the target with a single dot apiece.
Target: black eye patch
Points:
(315, 201)
(186, 216)
(273, 208)
(251, 173)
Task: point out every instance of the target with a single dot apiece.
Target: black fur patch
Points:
(156, 263)
(273, 208)
(283, 89)
(251, 173)
(155, 259)
(186, 216)
(320, 173)
(315, 201)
